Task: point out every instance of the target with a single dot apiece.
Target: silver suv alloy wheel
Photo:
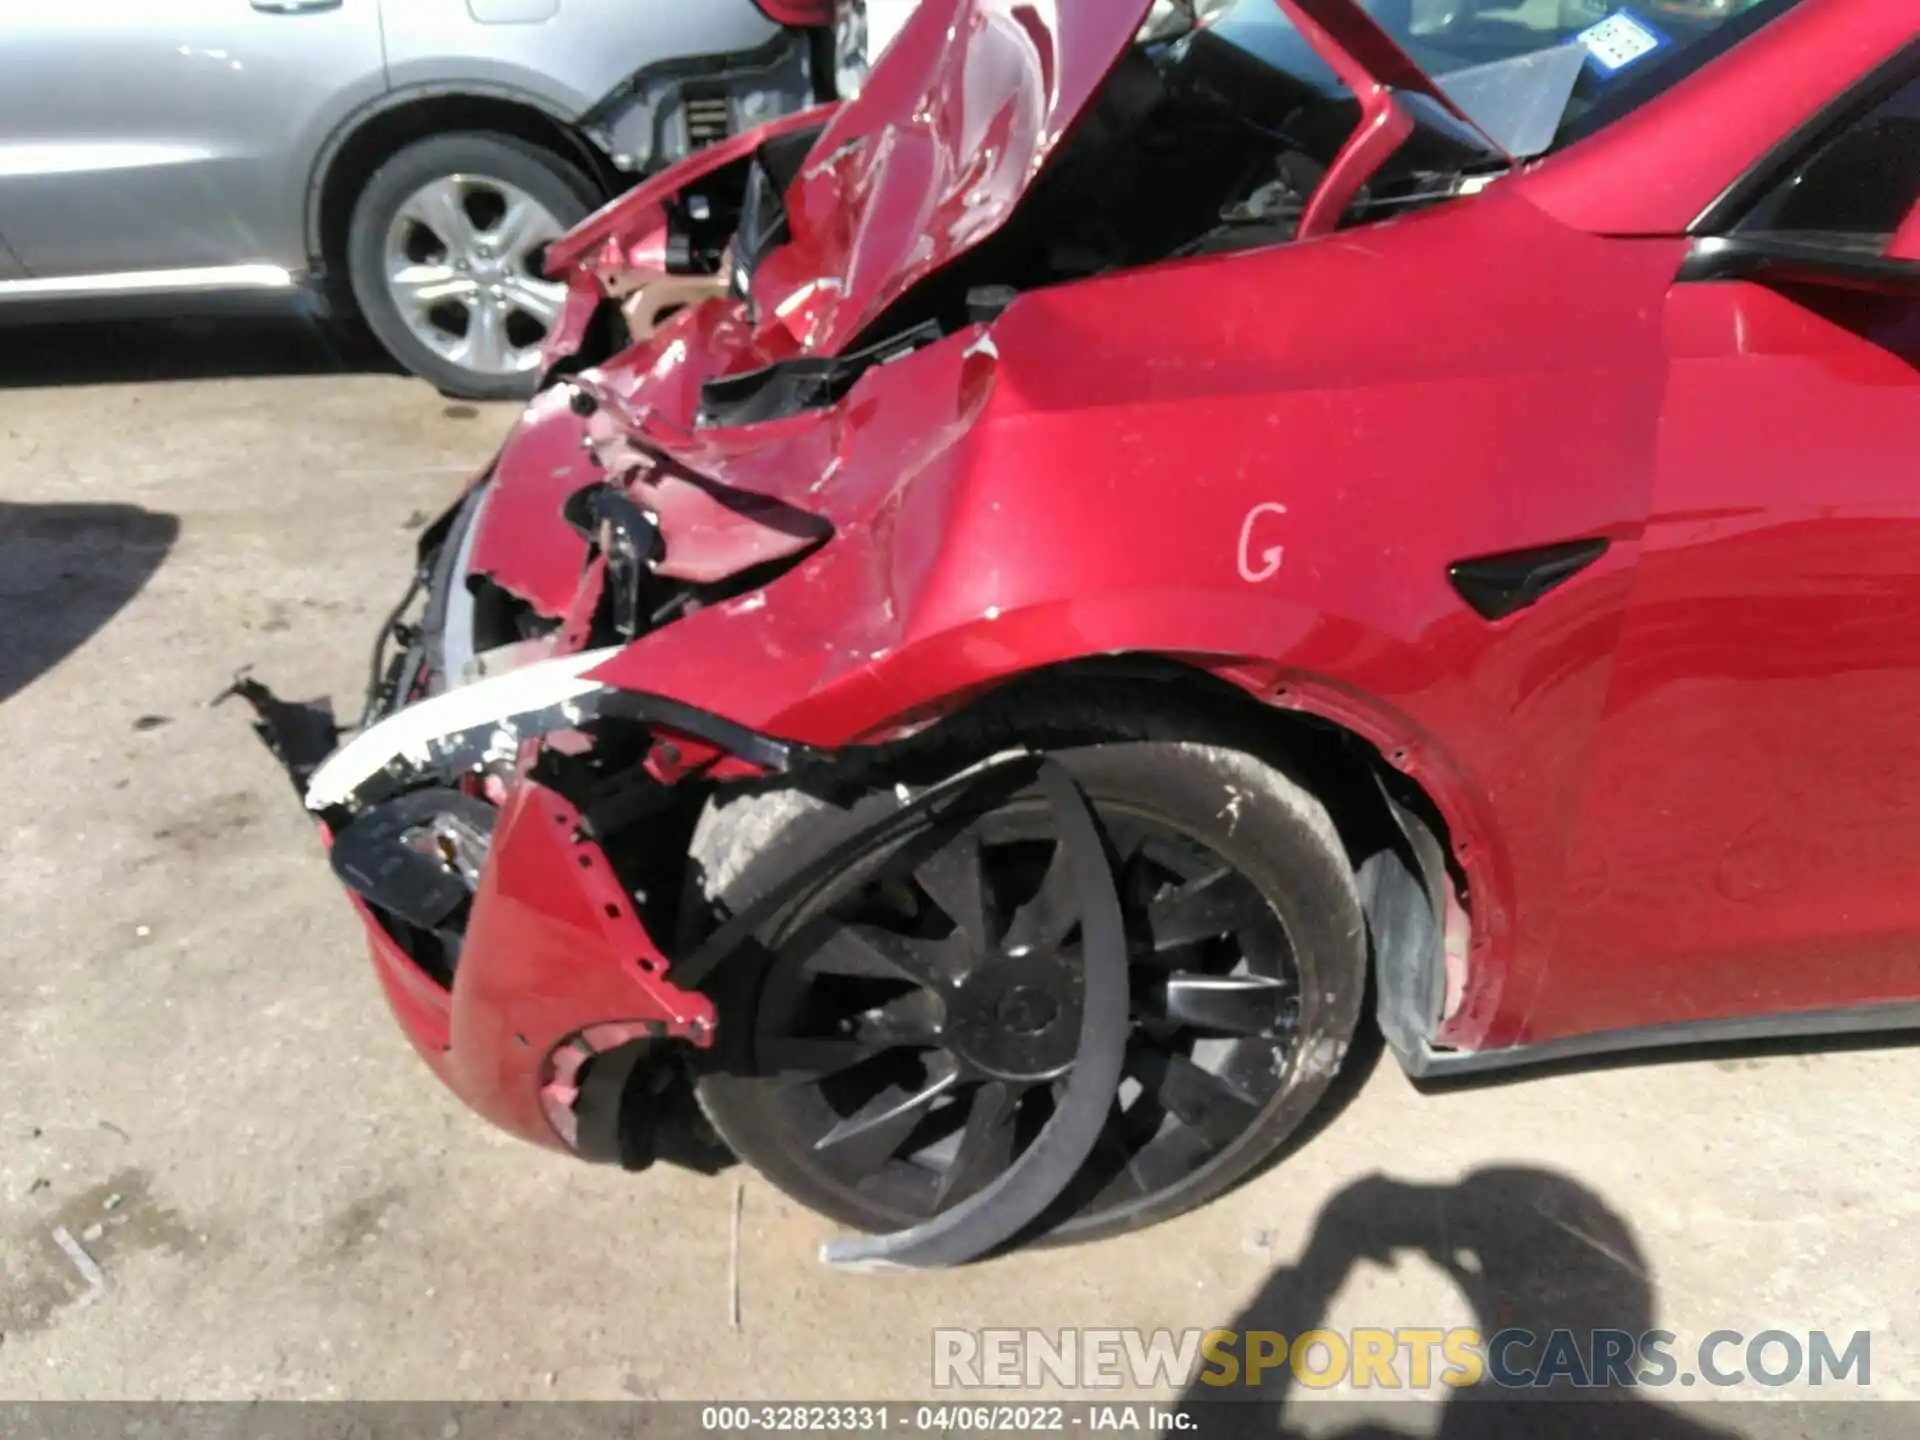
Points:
(463, 269)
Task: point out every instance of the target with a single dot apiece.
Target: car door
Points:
(148, 135)
(1747, 839)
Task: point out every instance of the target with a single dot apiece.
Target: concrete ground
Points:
(201, 1085)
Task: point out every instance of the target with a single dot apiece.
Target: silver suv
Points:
(409, 157)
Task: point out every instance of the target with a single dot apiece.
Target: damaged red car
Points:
(1031, 599)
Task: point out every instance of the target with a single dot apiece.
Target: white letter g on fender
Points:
(1270, 558)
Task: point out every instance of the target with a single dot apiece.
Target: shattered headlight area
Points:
(460, 816)
(496, 839)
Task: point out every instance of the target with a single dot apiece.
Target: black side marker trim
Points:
(1497, 585)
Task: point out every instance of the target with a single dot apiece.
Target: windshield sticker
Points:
(1620, 40)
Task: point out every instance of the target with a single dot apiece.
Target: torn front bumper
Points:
(510, 950)
(528, 991)
(556, 968)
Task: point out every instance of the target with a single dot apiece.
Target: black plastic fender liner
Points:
(1403, 894)
(1022, 1194)
(299, 735)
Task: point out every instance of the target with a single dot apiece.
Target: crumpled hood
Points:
(954, 127)
(938, 151)
(935, 154)
(931, 159)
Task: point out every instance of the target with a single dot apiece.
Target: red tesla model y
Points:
(1027, 598)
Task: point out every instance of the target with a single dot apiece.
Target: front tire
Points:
(1247, 960)
(444, 254)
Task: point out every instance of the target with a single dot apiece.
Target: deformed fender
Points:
(1262, 508)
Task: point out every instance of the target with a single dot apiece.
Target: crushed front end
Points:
(511, 832)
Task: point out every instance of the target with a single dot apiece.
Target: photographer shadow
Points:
(1530, 1249)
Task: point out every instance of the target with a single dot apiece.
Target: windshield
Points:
(1531, 75)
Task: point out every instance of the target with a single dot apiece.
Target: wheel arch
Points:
(801, 844)
(1409, 830)
(377, 132)
(866, 666)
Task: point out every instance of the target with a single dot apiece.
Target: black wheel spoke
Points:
(954, 880)
(1121, 1159)
(909, 1019)
(870, 953)
(870, 1136)
(1131, 869)
(986, 1145)
(1201, 1101)
(1222, 1004)
(1216, 904)
(803, 1057)
(1049, 917)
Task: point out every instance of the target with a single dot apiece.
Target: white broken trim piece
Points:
(409, 734)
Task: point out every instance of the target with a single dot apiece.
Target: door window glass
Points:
(1855, 188)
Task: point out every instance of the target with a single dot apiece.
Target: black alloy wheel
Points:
(915, 1021)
